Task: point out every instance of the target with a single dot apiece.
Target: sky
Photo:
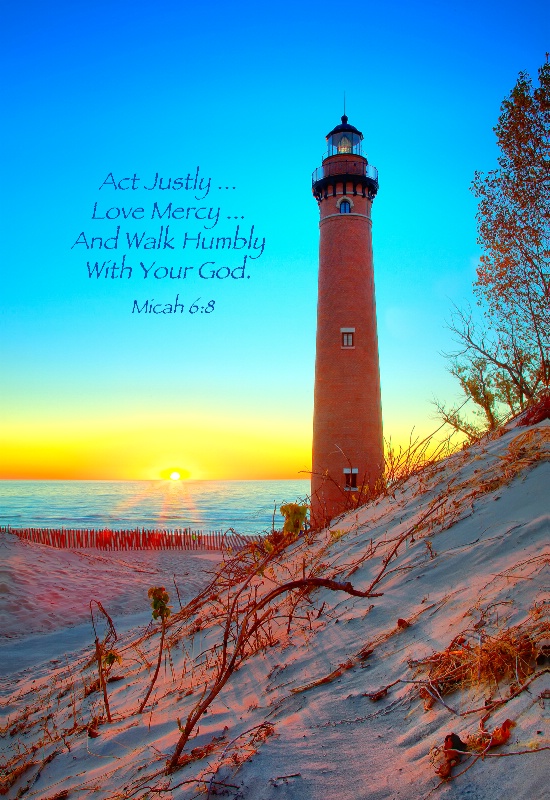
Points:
(237, 96)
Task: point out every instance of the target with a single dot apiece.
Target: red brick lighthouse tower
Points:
(347, 420)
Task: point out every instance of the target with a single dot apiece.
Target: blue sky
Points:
(247, 94)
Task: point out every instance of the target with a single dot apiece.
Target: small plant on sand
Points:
(159, 603)
(110, 657)
(104, 653)
(295, 517)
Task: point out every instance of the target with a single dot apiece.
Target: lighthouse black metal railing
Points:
(333, 168)
(356, 177)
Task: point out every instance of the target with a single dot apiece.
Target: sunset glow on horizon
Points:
(114, 450)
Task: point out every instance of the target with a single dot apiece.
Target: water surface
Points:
(246, 506)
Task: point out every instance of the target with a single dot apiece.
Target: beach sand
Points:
(463, 559)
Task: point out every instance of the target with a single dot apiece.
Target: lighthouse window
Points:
(351, 477)
(347, 340)
(344, 145)
(345, 207)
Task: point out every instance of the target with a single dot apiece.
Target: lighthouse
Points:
(348, 456)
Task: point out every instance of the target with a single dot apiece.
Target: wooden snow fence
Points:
(138, 539)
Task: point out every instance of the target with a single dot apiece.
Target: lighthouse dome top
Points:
(344, 138)
(345, 126)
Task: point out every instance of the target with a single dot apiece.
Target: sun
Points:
(174, 473)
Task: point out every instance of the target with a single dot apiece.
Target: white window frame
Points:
(351, 471)
(343, 331)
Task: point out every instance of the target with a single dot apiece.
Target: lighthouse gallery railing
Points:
(345, 168)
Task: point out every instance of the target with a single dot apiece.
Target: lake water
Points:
(246, 506)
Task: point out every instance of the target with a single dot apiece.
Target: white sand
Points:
(52, 588)
(489, 534)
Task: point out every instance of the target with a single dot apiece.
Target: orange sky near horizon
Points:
(137, 447)
(242, 451)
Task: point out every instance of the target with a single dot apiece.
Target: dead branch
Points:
(241, 638)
